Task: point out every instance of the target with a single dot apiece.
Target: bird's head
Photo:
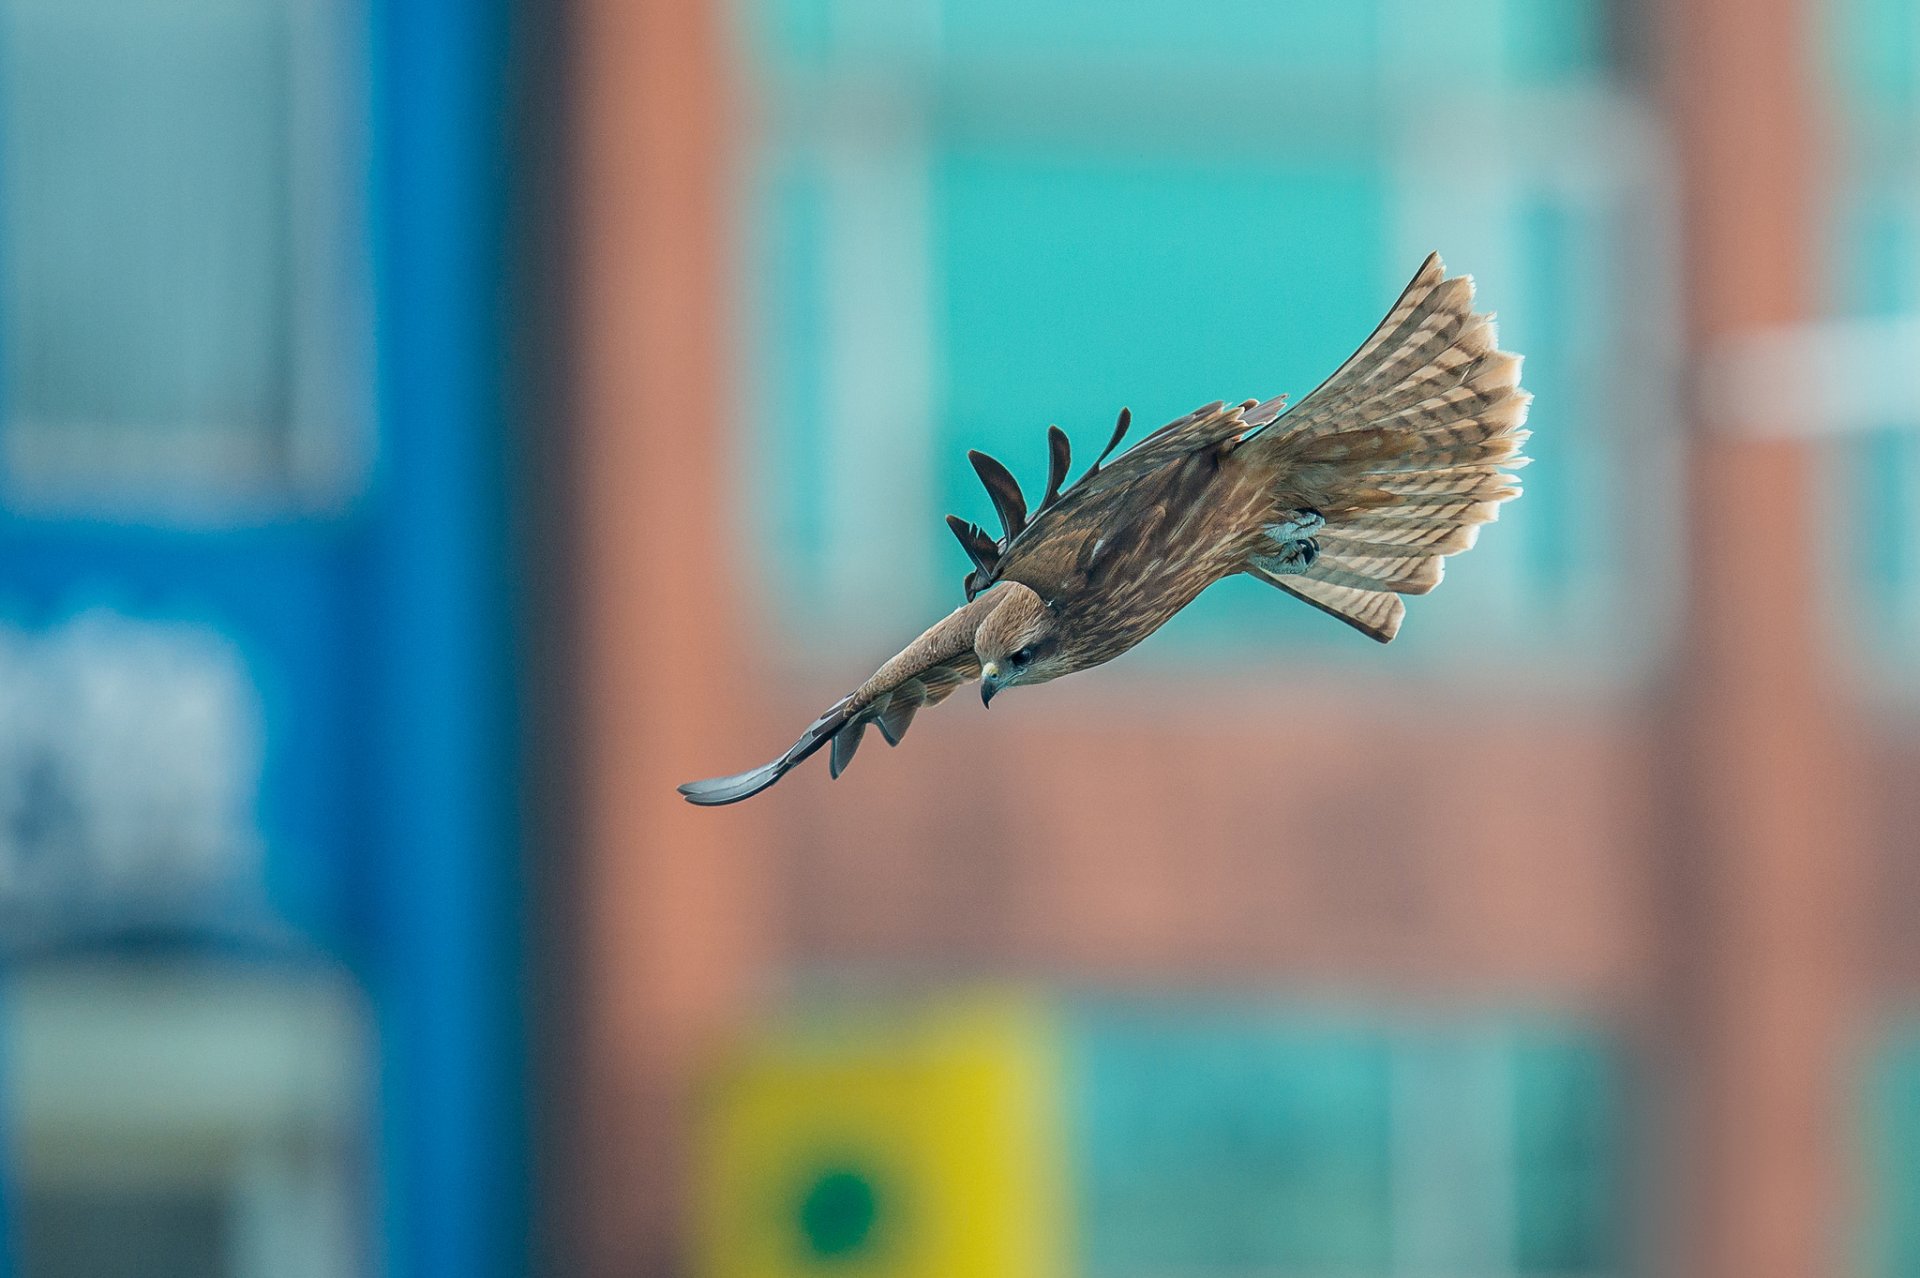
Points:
(1017, 642)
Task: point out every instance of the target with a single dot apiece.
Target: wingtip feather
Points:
(717, 791)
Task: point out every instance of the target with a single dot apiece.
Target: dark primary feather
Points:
(1059, 460)
(901, 707)
(980, 547)
(1008, 501)
(845, 742)
(1119, 433)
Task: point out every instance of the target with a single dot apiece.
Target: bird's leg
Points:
(1295, 547)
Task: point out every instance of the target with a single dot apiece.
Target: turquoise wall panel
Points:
(1229, 1143)
(1568, 1154)
(1890, 1136)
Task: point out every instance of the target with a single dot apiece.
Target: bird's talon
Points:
(1304, 524)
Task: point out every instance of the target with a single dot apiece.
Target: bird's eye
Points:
(1023, 656)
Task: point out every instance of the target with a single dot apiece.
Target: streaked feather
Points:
(1439, 538)
(1373, 613)
(1405, 449)
(1403, 575)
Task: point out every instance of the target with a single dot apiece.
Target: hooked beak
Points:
(989, 682)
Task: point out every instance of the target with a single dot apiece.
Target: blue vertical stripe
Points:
(446, 937)
(6, 1149)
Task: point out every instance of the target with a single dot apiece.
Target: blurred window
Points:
(130, 761)
(1228, 1144)
(176, 1117)
(1879, 276)
(122, 1233)
(1146, 1136)
(183, 313)
(1891, 1136)
(973, 219)
(1874, 48)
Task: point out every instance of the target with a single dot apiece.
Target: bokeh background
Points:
(431, 429)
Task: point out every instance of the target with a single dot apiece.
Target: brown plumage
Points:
(1350, 500)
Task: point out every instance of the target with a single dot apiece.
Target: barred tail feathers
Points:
(1403, 452)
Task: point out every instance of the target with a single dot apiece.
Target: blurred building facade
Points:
(258, 830)
(1617, 820)
(433, 430)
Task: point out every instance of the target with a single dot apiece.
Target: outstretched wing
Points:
(1113, 508)
(923, 674)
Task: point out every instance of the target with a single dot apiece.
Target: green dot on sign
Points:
(837, 1213)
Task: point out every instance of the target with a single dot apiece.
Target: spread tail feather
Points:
(1403, 452)
(1373, 613)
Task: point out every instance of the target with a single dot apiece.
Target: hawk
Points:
(1348, 501)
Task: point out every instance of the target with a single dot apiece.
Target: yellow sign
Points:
(925, 1144)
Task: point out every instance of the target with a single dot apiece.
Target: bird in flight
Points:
(1348, 501)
